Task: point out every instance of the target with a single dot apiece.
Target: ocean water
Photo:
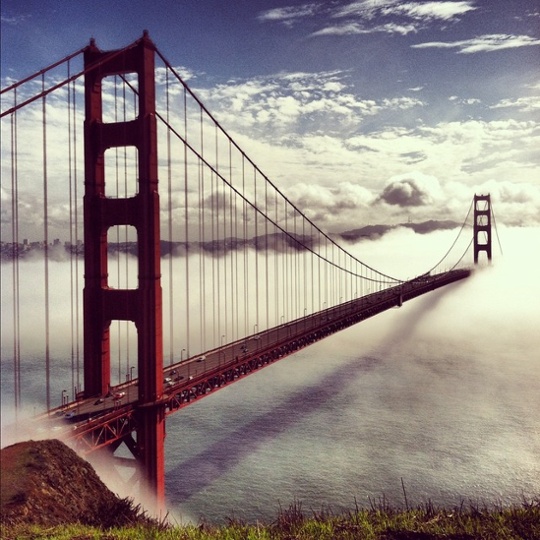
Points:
(440, 396)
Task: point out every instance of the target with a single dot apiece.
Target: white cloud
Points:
(485, 43)
(464, 101)
(314, 136)
(14, 20)
(329, 203)
(444, 11)
(289, 14)
(359, 15)
(441, 10)
(355, 28)
(296, 103)
(366, 9)
(524, 104)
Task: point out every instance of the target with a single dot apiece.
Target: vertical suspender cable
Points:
(266, 255)
(186, 221)
(304, 265)
(135, 168)
(46, 249)
(277, 257)
(496, 230)
(73, 291)
(256, 216)
(286, 273)
(202, 238)
(117, 195)
(295, 260)
(215, 285)
(220, 188)
(169, 220)
(15, 262)
(237, 292)
(136, 190)
(232, 336)
(232, 253)
(76, 218)
(246, 251)
(312, 257)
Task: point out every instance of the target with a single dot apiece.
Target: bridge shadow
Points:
(202, 470)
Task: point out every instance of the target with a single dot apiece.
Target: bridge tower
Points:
(482, 226)
(102, 303)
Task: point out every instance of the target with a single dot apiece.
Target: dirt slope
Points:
(47, 483)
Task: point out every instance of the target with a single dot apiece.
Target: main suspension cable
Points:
(496, 230)
(455, 240)
(218, 125)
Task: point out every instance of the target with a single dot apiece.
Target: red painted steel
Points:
(143, 305)
(114, 425)
(482, 226)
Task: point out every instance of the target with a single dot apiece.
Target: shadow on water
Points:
(202, 470)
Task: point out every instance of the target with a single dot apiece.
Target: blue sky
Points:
(382, 109)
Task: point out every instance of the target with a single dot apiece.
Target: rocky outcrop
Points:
(47, 483)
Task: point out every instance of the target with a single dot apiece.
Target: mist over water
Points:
(442, 393)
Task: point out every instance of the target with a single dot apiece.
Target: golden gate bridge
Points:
(188, 288)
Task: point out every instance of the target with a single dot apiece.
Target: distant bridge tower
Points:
(102, 303)
(482, 226)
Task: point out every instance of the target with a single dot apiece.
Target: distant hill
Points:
(278, 242)
(376, 231)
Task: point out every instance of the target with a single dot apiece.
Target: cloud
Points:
(187, 74)
(316, 129)
(288, 15)
(370, 9)
(391, 16)
(292, 104)
(485, 43)
(328, 203)
(445, 11)
(355, 28)
(14, 20)
(418, 190)
(404, 193)
(515, 203)
(523, 104)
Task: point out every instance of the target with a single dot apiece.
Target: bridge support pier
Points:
(482, 226)
(102, 303)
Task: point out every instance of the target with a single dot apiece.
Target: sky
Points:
(361, 112)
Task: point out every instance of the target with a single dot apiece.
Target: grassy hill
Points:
(48, 492)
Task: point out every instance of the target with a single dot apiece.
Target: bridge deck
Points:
(97, 422)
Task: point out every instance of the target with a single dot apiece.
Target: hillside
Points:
(47, 491)
(376, 231)
(46, 483)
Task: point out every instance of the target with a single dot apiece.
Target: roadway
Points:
(182, 378)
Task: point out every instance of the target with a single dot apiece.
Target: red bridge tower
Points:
(482, 226)
(102, 303)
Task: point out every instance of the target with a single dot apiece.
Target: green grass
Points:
(377, 523)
